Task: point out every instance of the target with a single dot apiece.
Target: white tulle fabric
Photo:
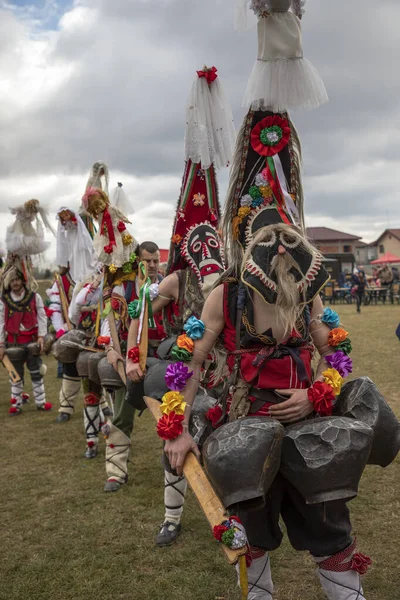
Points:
(282, 79)
(24, 237)
(121, 201)
(248, 11)
(210, 132)
(75, 248)
(121, 253)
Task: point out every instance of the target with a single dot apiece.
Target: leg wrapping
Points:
(92, 417)
(69, 392)
(118, 447)
(260, 580)
(17, 389)
(174, 496)
(38, 390)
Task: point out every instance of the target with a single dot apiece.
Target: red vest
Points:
(19, 314)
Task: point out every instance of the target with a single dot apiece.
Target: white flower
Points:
(153, 291)
(246, 200)
(260, 180)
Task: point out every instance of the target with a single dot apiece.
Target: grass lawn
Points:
(62, 538)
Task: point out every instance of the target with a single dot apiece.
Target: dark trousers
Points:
(33, 364)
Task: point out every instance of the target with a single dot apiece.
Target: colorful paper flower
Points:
(360, 563)
(154, 290)
(246, 200)
(195, 328)
(345, 346)
(114, 304)
(266, 191)
(112, 269)
(108, 249)
(176, 239)
(121, 226)
(227, 538)
(244, 211)
(255, 192)
(257, 202)
(133, 257)
(341, 362)
(103, 340)
(185, 342)
(134, 354)
(198, 199)
(133, 309)
(173, 402)
(334, 379)
(260, 180)
(337, 336)
(270, 136)
(214, 414)
(180, 354)
(127, 239)
(330, 318)
(177, 375)
(218, 531)
(170, 426)
(127, 268)
(321, 396)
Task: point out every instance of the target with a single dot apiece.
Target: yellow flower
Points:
(127, 239)
(244, 211)
(266, 191)
(112, 269)
(173, 402)
(334, 379)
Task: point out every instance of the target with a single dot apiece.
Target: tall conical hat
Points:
(209, 141)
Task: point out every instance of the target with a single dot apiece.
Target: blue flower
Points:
(330, 318)
(194, 328)
(257, 202)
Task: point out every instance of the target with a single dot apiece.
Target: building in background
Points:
(387, 242)
(339, 247)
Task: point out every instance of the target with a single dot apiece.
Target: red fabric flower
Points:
(47, 406)
(103, 340)
(134, 354)
(90, 444)
(121, 226)
(73, 219)
(214, 414)
(13, 401)
(25, 396)
(218, 531)
(91, 399)
(170, 426)
(360, 563)
(114, 304)
(108, 249)
(321, 395)
(14, 410)
(209, 74)
(274, 121)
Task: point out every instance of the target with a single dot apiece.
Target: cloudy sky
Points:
(83, 80)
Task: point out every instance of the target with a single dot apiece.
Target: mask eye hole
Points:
(269, 240)
(212, 242)
(196, 247)
(288, 240)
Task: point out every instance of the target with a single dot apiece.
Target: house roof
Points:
(325, 234)
(394, 232)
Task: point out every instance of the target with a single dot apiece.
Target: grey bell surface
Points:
(68, 354)
(108, 376)
(154, 381)
(200, 427)
(360, 399)
(324, 458)
(242, 458)
(82, 363)
(93, 366)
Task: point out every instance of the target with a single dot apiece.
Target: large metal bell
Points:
(360, 399)
(68, 354)
(109, 378)
(242, 458)
(324, 458)
(82, 363)
(93, 366)
(199, 426)
(154, 380)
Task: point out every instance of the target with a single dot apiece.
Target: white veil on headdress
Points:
(75, 247)
(121, 200)
(23, 237)
(99, 176)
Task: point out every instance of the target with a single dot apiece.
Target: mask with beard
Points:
(201, 248)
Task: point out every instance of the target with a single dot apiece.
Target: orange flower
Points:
(337, 336)
(176, 239)
(198, 199)
(185, 342)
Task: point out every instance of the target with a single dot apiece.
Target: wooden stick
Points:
(144, 337)
(63, 300)
(116, 344)
(202, 489)
(7, 364)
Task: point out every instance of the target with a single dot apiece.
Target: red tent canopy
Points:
(164, 255)
(386, 259)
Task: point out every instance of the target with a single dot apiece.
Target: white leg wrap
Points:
(174, 496)
(117, 454)
(341, 586)
(17, 389)
(70, 388)
(92, 419)
(103, 400)
(38, 392)
(260, 579)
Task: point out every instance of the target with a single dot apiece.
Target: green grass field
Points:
(63, 538)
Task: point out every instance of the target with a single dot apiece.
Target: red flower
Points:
(108, 249)
(73, 219)
(321, 395)
(91, 399)
(360, 563)
(214, 414)
(103, 340)
(111, 446)
(14, 410)
(25, 396)
(13, 401)
(170, 426)
(47, 406)
(209, 74)
(134, 355)
(114, 304)
(90, 444)
(121, 226)
(267, 123)
(218, 531)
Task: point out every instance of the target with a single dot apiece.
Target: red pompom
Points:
(321, 395)
(108, 249)
(47, 406)
(111, 446)
(14, 410)
(214, 414)
(170, 426)
(121, 226)
(103, 340)
(133, 354)
(25, 396)
(218, 531)
(13, 401)
(90, 444)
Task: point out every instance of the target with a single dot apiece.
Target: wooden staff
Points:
(144, 336)
(7, 364)
(202, 489)
(63, 300)
(116, 344)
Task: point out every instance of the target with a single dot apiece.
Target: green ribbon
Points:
(144, 297)
(106, 310)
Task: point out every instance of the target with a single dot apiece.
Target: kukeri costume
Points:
(307, 471)
(22, 316)
(196, 256)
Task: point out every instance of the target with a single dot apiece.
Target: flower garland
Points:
(231, 533)
(322, 394)
(177, 375)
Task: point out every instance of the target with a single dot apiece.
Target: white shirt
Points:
(41, 315)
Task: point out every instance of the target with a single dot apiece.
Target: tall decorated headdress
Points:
(265, 188)
(99, 176)
(114, 246)
(74, 245)
(209, 141)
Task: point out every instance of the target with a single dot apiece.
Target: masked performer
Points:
(195, 258)
(77, 260)
(116, 250)
(272, 454)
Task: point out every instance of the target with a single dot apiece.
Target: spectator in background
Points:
(359, 282)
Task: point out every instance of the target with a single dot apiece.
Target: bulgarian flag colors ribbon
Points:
(144, 299)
